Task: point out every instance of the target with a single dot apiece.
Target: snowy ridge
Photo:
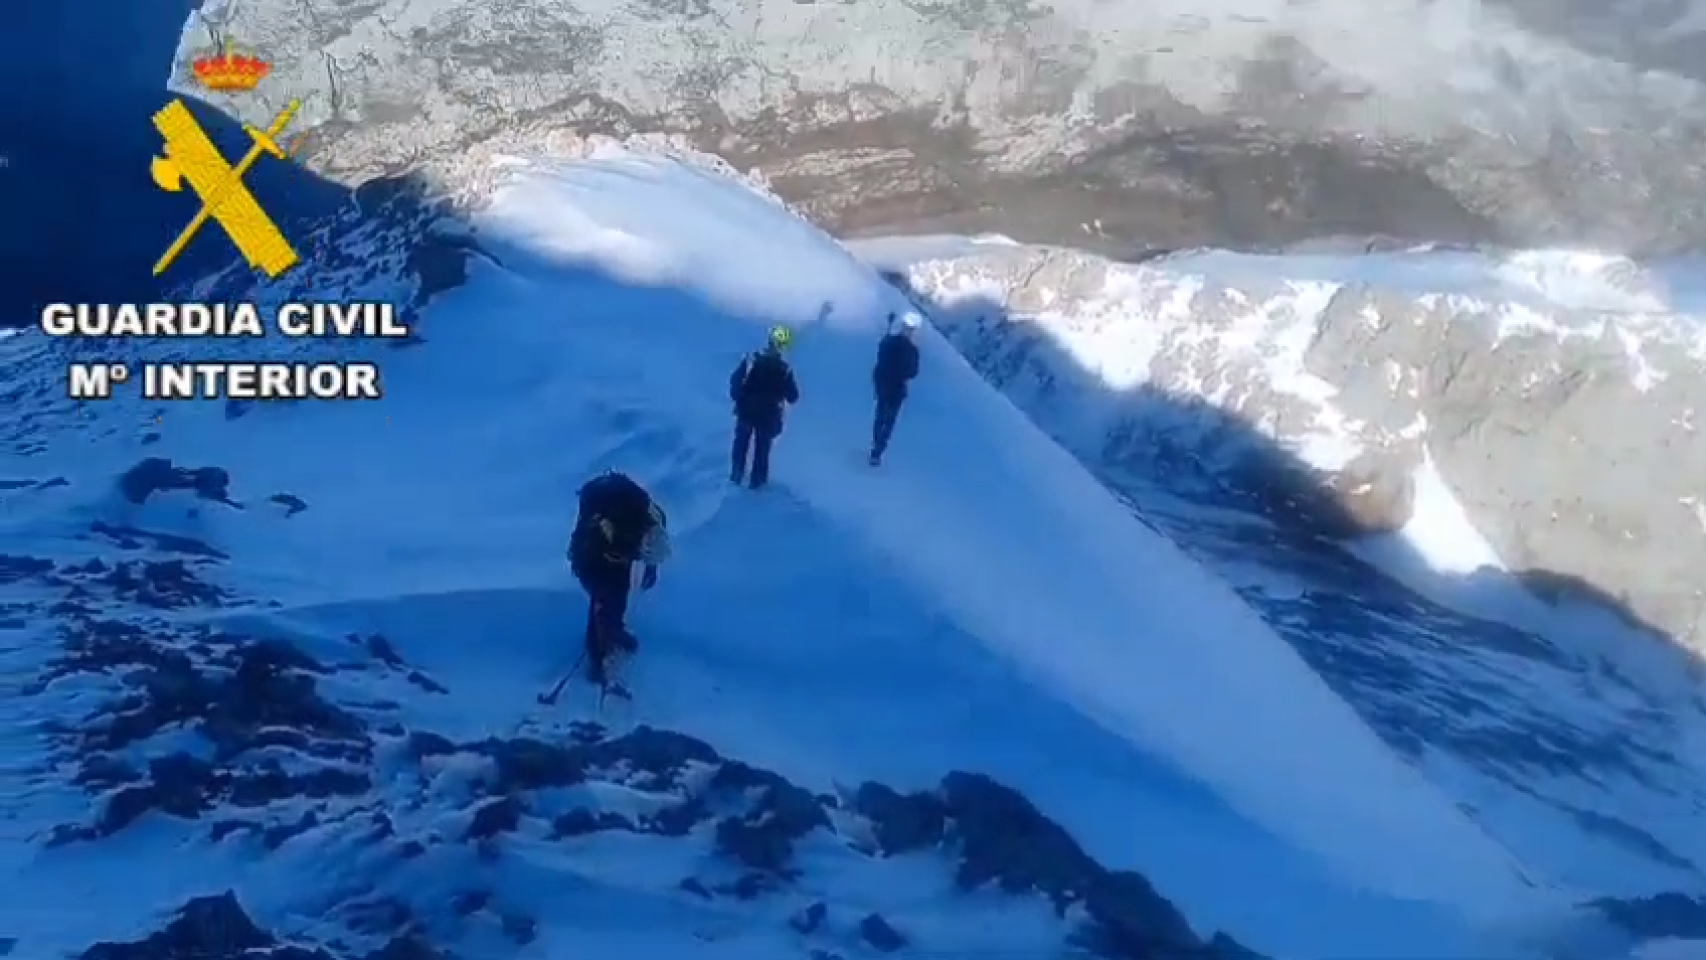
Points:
(471, 176)
(1065, 512)
(251, 665)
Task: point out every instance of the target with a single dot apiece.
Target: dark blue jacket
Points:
(760, 386)
(897, 365)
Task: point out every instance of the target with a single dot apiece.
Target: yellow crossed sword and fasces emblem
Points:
(225, 199)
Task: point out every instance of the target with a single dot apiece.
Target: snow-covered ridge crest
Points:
(473, 175)
(1196, 704)
(642, 216)
(1367, 366)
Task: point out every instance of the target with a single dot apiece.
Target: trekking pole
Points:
(550, 697)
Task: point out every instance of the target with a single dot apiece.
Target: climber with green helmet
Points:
(759, 388)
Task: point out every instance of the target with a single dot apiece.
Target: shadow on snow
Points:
(1430, 678)
(87, 224)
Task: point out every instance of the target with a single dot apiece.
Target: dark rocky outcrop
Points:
(159, 475)
(1000, 839)
(291, 503)
(214, 926)
(1665, 916)
(750, 820)
(218, 928)
(1047, 123)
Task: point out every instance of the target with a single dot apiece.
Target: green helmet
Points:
(781, 337)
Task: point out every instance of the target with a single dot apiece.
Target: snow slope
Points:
(984, 603)
(1157, 324)
(1045, 583)
(1575, 738)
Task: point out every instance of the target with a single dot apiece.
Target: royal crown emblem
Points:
(229, 71)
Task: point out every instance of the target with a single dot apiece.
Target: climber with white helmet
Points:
(897, 365)
(759, 388)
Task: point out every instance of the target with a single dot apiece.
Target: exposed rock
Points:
(779, 813)
(291, 503)
(493, 817)
(215, 926)
(14, 568)
(400, 241)
(160, 584)
(1607, 401)
(250, 701)
(158, 475)
(1000, 838)
(133, 538)
(580, 822)
(1050, 123)
(1664, 916)
(523, 930)
(470, 901)
(1374, 493)
(1224, 947)
(1191, 418)
(1611, 421)
(807, 921)
(1006, 841)
(994, 836)
(409, 947)
(877, 932)
(424, 743)
(901, 824)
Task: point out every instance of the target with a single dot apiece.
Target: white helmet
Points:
(911, 321)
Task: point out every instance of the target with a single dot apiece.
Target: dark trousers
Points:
(751, 438)
(882, 426)
(607, 587)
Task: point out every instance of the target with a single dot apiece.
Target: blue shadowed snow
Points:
(980, 604)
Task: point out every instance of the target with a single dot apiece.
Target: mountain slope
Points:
(1121, 126)
(1480, 363)
(320, 697)
(1235, 403)
(1044, 584)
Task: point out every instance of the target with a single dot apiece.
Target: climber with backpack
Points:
(760, 387)
(617, 525)
(895, 369)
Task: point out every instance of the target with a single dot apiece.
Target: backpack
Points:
(622, 509)
(616, 497)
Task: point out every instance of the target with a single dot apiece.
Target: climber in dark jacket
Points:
(759, 388)
(618, 524)
(897, 365)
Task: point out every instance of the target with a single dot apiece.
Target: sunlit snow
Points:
(981, 602)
